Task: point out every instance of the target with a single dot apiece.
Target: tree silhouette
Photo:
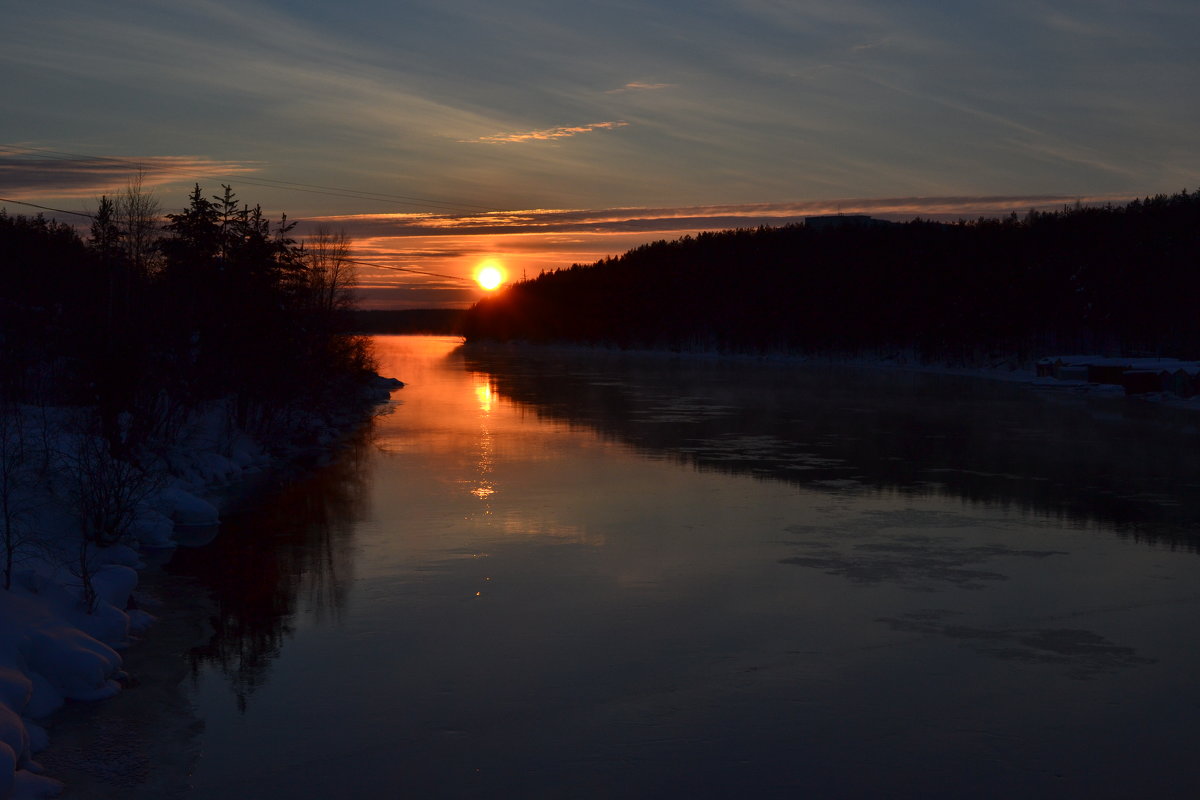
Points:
(218, 304)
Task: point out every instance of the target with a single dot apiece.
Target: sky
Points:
(442, 133)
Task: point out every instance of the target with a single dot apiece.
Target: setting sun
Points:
(489, 275)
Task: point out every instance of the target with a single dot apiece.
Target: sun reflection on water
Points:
(485, 394)
(487, 398)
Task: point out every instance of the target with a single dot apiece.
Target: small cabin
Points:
(1183, 383)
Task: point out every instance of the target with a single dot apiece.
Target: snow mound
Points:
(185, 508)
(67, 610)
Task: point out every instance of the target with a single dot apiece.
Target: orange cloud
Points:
(547, 134)
(686, 219)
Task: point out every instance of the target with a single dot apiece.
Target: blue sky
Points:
(765, 109)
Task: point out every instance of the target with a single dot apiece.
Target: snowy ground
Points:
(53, 647)
(1002, 369)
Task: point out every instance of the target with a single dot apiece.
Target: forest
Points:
(148, 319)
(1119, 280)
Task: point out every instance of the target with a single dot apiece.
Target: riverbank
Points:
(68, 613)
(1006, 369)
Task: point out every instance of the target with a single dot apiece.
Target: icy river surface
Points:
(561, 574)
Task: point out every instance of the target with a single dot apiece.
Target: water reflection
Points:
(288, 557)
(486, 394)
(1111, 461)
(631, 613)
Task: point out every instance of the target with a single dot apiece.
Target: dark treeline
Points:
(147, 318)
(1086, 278)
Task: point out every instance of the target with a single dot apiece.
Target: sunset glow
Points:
(525, 243)
(538, 159)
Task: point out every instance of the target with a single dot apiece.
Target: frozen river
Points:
(571, 575)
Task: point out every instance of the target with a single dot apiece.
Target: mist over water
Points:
(570, 574)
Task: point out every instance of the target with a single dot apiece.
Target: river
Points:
(562, 574)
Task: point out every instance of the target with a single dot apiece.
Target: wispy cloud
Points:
(768, 99)
(639, 86)
(548, 134)
(44, 173)
(865, 46)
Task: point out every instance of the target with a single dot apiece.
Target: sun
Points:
(490, 275)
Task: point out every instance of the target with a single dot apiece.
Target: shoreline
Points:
(1008, 370)
(140, 744)
(53, 653)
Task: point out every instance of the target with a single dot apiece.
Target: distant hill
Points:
(1114, 278)
(446, 321)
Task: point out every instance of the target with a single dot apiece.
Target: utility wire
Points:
(334, 191)
(457, 278)
(58, 155)
(45, 208)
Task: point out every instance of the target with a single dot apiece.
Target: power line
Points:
(457, 278)
(45, 208)
(358, 194)
(59, 155)
(270, 183)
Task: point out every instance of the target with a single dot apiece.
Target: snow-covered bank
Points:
(1041, 376)
(1011, 370)
(66, 613)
